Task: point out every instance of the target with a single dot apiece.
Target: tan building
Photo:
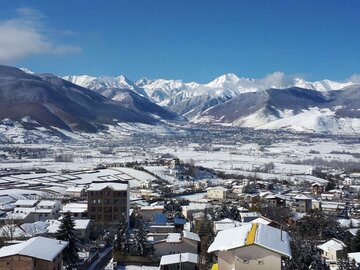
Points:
(107, 201)
(38, 253)
(251, 247)
(217, 193)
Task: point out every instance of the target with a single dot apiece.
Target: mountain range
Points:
(86, 103)
(273, 102)
(48, 101)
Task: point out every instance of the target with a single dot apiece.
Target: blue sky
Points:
(193, 40)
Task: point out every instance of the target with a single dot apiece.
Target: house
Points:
(251, 246)
(224, 224)
(302, 203)
(82, 226)
(76, 210)
(332, 250)
(107, 201)
(25, 203)
(148, 212)
(355, 256)
(177, 243)
(317, 188)
(217, 193)
(276, 200)
(75, 191)
(38, 253)
(47, 210)
(183, 261)
(193, 208)
(249, 216)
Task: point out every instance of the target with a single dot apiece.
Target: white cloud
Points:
(355, 78)
(277, 79)
(25, 36)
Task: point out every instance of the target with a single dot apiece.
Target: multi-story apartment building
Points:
(107, 201)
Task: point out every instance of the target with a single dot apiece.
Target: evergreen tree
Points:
(123, 241)
(68, 233)
(355, 242)
(140, 245)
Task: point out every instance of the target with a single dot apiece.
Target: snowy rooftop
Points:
(217, 188)
(355, 256)
(26, 202)
(38, 247)
(80, 224)
(111, 185)
(173, 238)
(333, 244)
(252, 234)
(74, 208)
(191, 235)
(177, 258)
(47, 203)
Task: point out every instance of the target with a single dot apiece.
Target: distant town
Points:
(270, 201)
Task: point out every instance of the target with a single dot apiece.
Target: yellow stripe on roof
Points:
(215, 266)
(250, 239)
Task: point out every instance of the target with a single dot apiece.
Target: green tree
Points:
(355, 242)
(122, 241)
(140, 245)
(67, 232)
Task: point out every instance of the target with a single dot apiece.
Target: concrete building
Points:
(251, 247)
(107, 201)
(302, 204)
(38, 253)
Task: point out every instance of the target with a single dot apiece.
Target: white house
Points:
(47, 210)
(183, 261)
(251, 247)
(332, 250)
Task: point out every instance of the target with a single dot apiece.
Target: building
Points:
(317, 188)
(76, 210)
(82, 226)
(183, 261)
(332, 250)
(251, 247)
(177, 243)
(38, 253)
(302, 204)
(276, 200)
(149, 212)
(47, 210)
(107, 201)
(216, 193)
(76, 192)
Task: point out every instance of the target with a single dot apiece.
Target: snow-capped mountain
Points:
(229, 99)
(45, 100)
